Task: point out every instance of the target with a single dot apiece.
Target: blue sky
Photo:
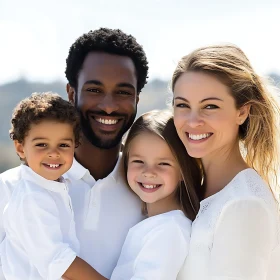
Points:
(36, 35)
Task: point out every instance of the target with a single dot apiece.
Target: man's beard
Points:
(96, 140)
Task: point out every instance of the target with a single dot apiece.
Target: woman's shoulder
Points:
(248, 185)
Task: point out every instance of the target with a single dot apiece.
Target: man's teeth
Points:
(106, 121)
(149, 186)
(199, 136)
(53, 165)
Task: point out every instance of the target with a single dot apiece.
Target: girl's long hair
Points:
(161, 123)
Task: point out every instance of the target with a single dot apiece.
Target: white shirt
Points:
(40, 240)
(104, 212)
(236, 233)
(155, 249)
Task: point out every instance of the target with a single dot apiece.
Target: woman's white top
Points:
(235, 235)
(155, 249)
(40, 240)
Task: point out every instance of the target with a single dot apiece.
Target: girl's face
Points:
(205, 115)
(153, 173)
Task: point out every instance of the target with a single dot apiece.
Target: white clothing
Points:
(236, 233)
(156, 248)
(104, 212)
(40, 240)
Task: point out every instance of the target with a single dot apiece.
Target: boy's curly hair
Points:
(39, 107)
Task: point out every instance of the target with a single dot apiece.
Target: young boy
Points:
(40, 240)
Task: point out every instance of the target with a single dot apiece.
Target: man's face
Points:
(106, 98)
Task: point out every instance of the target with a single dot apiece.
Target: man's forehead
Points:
(102, 66)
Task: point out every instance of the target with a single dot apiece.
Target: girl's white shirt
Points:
(40, 240)
(236, 233)
(155, 248)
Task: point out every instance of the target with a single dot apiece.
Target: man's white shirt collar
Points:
(78, 172)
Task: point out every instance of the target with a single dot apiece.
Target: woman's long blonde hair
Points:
(260, 132)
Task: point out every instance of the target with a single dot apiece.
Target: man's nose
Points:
(108, 104)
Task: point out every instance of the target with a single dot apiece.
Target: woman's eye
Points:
(211, 106)
(182, 105)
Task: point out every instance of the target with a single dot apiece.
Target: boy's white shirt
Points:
(40, 240)
(104, 211)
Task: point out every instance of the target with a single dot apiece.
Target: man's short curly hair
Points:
(39, 107)
(112, 41)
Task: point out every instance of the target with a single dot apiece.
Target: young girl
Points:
(40, 240)
(220, 106)
(162, 174)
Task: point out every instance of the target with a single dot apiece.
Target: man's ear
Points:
(137, 98)
(71, 93)
(244, 112)
(19, 149)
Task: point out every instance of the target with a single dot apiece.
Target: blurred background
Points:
(35, 37)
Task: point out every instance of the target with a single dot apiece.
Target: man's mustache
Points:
(103, 114)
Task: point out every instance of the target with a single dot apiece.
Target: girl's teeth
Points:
(199, 136)
(149, 186)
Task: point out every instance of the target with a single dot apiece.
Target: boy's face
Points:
(48, 148)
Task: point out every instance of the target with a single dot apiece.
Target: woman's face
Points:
(205, 115)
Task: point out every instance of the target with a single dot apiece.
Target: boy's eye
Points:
(41, 145)
(64, 145)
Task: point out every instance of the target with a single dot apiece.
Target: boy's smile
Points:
(48, 148)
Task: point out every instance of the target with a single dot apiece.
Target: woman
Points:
(226, 117)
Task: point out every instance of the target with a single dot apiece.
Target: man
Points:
(106, 70)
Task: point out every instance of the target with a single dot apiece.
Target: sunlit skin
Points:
(106, 99)
(207, 121)
(151, 163)
(48, 143)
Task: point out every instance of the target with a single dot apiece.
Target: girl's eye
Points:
(165, 163)
(211, 106)
(137, 161)
(41, 145)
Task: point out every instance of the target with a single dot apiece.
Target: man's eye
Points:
(124, 92)
(95, 90)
